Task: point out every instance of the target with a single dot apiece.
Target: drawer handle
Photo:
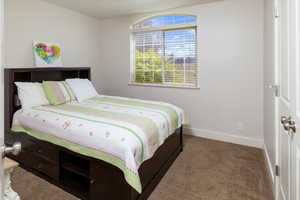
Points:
(92, 181)
(40, 151)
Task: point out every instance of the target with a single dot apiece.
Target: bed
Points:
(103, 148)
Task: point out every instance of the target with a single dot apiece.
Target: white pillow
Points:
(31, 94)
(82, 88)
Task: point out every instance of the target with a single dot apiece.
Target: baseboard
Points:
(224, 137)
(269, 165)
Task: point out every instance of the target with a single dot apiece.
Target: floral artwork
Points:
(47, 54)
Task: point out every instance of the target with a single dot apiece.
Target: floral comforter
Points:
(121, 131)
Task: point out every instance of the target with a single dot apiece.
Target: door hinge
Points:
(276, 12)
(277, 170)
(276, 89)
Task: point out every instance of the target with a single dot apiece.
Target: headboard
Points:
(35, 74)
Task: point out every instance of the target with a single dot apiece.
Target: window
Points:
(164, 52)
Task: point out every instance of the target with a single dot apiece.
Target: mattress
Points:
(121, 131)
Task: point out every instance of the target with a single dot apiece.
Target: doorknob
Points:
(285, 119)
(14, 150)
(288, 124)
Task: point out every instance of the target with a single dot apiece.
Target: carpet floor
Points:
(205, 170)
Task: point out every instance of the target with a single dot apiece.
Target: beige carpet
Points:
(206, 170)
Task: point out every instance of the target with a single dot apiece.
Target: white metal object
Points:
(15, 149)
(276, 89)
(276, 11)
(289, 125)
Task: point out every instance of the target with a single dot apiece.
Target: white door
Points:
(295, 98)
(284, 140)
(289, 104)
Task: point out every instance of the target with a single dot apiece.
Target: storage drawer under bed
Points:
(46, 167)
(40, 156)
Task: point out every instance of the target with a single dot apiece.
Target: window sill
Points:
(162, 85)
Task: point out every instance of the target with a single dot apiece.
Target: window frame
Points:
(186, 26)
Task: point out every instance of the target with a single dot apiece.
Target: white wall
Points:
(35, 20)
(269, 79)
(229, 104)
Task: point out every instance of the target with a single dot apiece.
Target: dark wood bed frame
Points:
(85, 177)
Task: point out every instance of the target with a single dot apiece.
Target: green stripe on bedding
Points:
(96, 121)
(132, 178)
(163, 114)
(147, 125)
(171, 112)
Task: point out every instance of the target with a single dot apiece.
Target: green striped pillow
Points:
(58, 92)
(69, 91)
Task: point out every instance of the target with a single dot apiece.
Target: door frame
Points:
(277, 62)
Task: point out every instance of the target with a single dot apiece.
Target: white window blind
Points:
(165, 56)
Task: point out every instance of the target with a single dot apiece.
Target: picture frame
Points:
(47, 54)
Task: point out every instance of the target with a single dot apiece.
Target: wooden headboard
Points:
(13, 75)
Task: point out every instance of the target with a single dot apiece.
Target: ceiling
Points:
(115, 8)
